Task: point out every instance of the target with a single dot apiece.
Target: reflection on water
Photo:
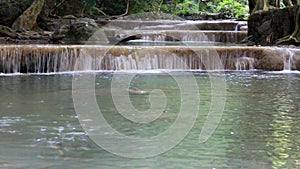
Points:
(260, 127)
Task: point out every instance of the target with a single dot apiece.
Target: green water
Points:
(260, 126)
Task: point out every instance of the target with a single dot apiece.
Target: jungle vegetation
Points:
(234, 8)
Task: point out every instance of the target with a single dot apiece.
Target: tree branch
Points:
(99, 11)
(126, 12)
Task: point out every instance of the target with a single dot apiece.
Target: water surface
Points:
(260, 126)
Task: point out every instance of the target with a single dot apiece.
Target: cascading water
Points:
(62, 58)
(245, 63)
(208, 36)
(154, 37)
(179, 35)
(236, 28)
(288, 59)
(45, 59)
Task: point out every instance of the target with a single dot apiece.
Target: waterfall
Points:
(245, 63)
(288, 58)
(198, 37)
(211, 36)
(64, 58)
(154, 37)
(236, 27)
(45, 59)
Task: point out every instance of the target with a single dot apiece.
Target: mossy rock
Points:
(85, 30)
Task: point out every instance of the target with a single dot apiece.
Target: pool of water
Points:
(259, 128)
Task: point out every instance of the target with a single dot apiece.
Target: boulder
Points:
(271, 60)
(84, 30)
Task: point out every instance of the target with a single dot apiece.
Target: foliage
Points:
(117, 7)
(239, 9)
(211, 7)
(235, 8)
(87, 5)
(187, 6)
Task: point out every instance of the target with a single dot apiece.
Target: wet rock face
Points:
(266, 27)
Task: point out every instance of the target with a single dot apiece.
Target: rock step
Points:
(177, 35)
(62, 58)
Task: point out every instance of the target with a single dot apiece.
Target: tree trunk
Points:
(27, 21)
(251, 5)
(261, 5)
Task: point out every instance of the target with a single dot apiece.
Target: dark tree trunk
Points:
(251, 5)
